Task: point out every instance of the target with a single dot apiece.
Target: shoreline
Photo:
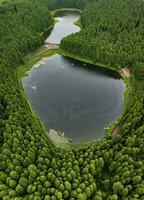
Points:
(126, 73)
(52, 49)
(46, 53)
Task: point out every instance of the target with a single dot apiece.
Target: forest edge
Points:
(49, 49)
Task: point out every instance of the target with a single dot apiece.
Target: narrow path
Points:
(116, 131)
(45, 47)
(126, 72)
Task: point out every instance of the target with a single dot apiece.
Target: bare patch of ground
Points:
(126, 72)
(45, 47)
(116, 131)
(48, 46)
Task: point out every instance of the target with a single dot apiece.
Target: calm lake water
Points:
(73, 97)
(64, 26)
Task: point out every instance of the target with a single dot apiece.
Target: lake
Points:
(73, 97)
(65, 26)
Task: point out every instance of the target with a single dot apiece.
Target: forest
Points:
(112, 33)
(31, 167)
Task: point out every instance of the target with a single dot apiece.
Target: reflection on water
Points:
(64, 26)
(72, 97)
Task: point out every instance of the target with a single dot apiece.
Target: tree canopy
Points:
(31, 167)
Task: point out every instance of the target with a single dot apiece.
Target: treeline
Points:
(56, 4)
(21, 139)
(21, 23)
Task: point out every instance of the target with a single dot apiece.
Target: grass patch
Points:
(41, 52)
(34, 59)
(78, 23)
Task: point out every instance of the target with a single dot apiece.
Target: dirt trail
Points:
(126, 73)
(116, 131)
(45, 47)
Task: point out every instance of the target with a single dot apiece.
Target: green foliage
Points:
(30, 166)
(20, 27)
(56, 4)
(117, 187)
(112, 33)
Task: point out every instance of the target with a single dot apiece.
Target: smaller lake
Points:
(73, 97)
(65, 26)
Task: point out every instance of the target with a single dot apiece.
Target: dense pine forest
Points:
(31, 167)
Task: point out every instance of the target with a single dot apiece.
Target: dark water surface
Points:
(64, 26)
(71, 97)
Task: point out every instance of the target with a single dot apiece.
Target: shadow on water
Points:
(94, 68)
